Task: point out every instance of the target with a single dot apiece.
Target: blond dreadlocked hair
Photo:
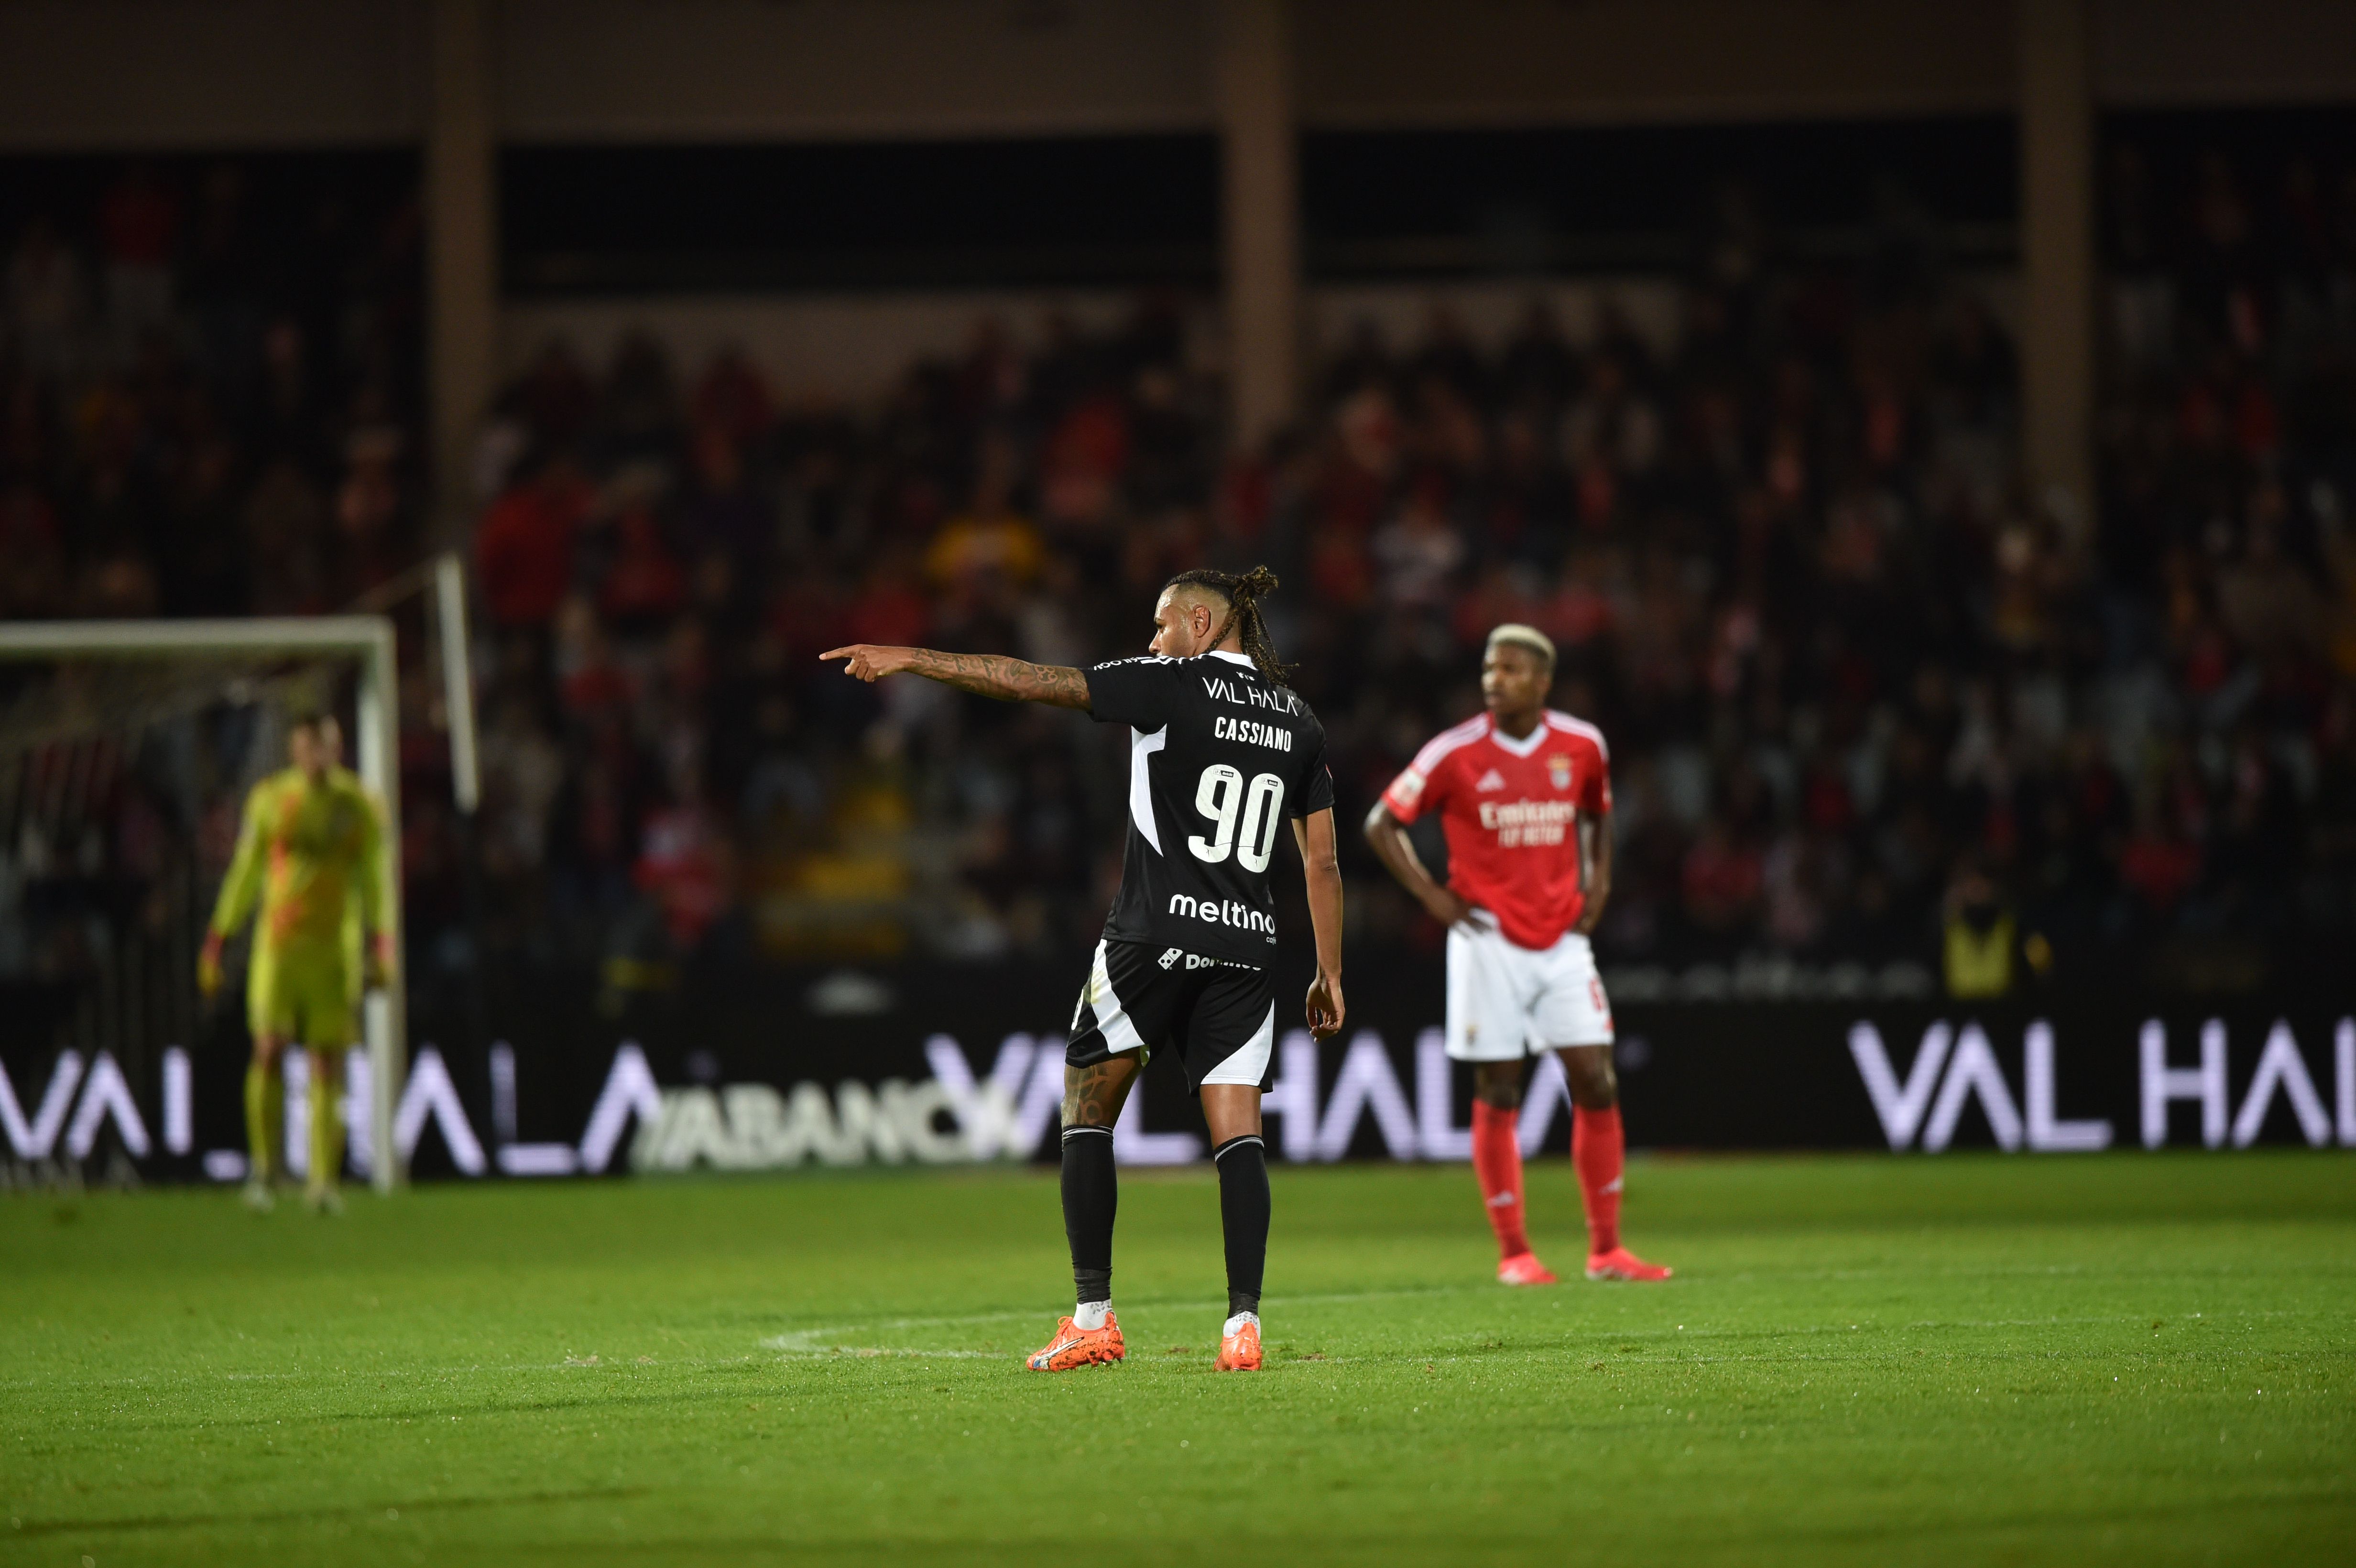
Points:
(1242, 592)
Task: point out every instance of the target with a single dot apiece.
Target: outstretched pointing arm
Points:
(985, 675)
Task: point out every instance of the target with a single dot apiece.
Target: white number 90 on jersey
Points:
(1221, 795)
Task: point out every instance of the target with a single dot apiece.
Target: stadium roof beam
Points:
(1260, 223)
(462, 247)
(2057, 249)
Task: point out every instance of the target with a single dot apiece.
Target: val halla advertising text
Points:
(916, 1084)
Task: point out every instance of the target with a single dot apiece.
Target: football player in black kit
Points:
(1220, 752)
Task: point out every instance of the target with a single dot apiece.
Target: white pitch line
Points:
(804, 1343)
(870, 1352)
(888, 1325)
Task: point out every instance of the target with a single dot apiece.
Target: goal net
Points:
(126, 750)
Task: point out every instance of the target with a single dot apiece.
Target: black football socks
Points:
(1091, 1194)
(1243, 1216)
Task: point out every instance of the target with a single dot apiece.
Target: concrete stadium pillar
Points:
(2057, 253)
(1260, 272)
(461, 246)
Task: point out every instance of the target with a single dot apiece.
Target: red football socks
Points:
(1598, 1150)
(1497, 1161)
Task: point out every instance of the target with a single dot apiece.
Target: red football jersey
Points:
(1511, 811)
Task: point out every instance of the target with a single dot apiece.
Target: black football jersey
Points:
(1220, 759)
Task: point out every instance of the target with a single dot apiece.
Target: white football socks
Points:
(1091, 1314)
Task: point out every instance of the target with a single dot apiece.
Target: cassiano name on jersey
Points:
(1276, 737)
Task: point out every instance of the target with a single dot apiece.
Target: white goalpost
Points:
(367, 644)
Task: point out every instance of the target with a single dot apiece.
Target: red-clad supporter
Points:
(644, 585)
(682, 861)
(1083, 460)
(138, 227)
(523, 550)
(891, 608)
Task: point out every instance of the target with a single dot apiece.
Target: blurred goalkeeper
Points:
(311, 847)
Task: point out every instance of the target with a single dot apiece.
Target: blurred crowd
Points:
(1870, 698)
(209, 399)
(667, 762)
(209, 379)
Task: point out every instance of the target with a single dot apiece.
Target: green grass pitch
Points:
(2132, 1357)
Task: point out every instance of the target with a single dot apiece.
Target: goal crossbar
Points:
(367, 640)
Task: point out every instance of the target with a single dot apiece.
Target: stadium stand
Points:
(1867, 699)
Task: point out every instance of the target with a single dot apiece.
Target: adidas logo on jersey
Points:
(1492, 779)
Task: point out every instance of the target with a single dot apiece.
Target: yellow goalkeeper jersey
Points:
(314, 855)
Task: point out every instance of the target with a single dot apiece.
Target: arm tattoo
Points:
(1006, 679)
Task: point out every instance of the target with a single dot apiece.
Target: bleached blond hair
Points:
(1513, 633)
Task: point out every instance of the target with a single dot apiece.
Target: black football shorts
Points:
(1219, 1016)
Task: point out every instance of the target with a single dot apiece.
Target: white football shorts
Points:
(1506, 1002)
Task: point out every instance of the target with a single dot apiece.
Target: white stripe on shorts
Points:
(1249, 1063)
(1120, 1035)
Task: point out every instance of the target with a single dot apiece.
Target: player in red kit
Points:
(1524, 794)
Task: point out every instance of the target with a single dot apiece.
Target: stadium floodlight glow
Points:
(368, 640)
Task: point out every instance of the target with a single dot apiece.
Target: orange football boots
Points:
(1239, 1352)
(1074, 1346)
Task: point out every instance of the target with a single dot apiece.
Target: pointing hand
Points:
(871, 661)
